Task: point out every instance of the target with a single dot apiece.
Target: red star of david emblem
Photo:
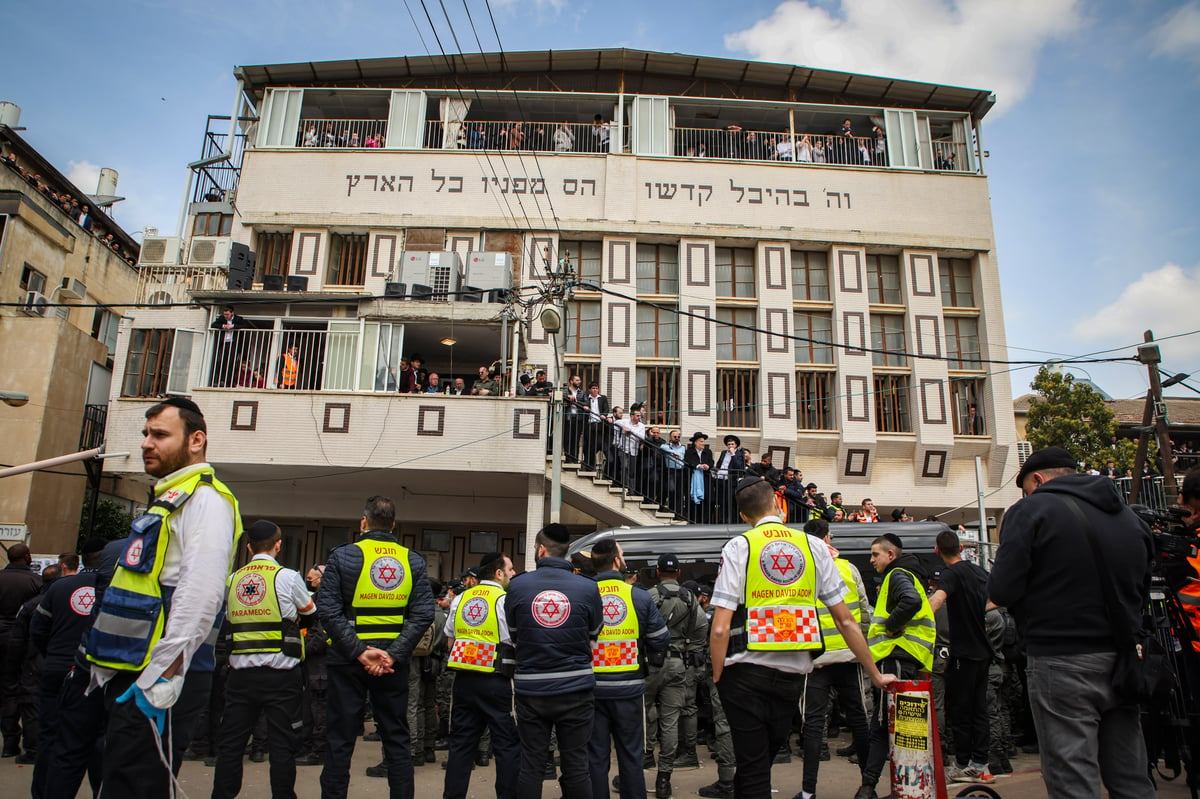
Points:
(387, 572)
(86, 601)
(611, 611)
(781, 563)
(550, 608)
(475, 611)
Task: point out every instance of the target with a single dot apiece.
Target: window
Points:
(658, 387)
(814, 400)
(736, 343)
(818, 328)
(962, 342)
(148, 362)
(657, 332)
(737, 398)
(348, 259)
(735, 272)
(891, 404)
(958, 290)
(32, 279)
(585, 259)
(810, 275)
(212, 225)
(883, 279)
(887, 333)
(588, 372)
(658, 269)
(583, 328)
(104, 329)
(274, 253)
(965, 395)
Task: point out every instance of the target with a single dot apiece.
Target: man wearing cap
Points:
(766, 628)
(634, 636)
(554, 617)
(730, 466)
(671, 689)
(481, 657)
(266, 601)
(376, 603)
(1046, 573)
(698, 462)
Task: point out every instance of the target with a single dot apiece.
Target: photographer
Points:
(1183, 579)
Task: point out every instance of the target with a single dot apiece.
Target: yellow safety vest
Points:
(616, 649)
(919, 634)
(476, 630)
(781, 590)
(829, 629)
(131, 618)
(255, 616)
(381, 594)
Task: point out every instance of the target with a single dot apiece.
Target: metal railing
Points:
(215, 182)
(561, 137)
(91, 433)
(289, 359)
(1153, 494)
(775, 145)
(160, 285)
(351, 133)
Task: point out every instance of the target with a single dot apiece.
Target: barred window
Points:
(589, 372)
(658, 387)
(962, 342)
(883, 279)
(274, 251)
(891, 404)
(657, 332)
(737, 398)
(148, 362)
(585, 259)
(583, 328)
(958, 290)
(817, 327)
(735, 272)
(887, 333)
(810, 275)
(736, 343)
(658, 269)
(348, 259)
(965, 395)
(814, 400)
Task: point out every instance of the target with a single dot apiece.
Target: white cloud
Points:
(1178, 36)
(83, 174)
(981, 44)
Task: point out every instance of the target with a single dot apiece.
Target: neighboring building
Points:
(56, 246)
(711, 187)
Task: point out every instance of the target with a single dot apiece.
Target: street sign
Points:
(14, 532)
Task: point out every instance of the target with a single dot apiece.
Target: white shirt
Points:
(633, 436)
(197, 566)
(293, 598)
(505, 638)
(730, 590)
(594, 404)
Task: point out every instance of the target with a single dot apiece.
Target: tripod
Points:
(1171, 726)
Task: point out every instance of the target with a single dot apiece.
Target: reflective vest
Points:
(382, 591)
(132, 615)
(918, 636)
(255, 616)
(616, 648)
(476, 630)
(780, 602)
(1189, 600)
(829, 629)
(291, 370)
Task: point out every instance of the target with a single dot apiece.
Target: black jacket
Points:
(1045, 572)
(17, 584)
(903, 599)
(63, 618)
(336, 597)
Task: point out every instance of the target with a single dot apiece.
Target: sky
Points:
(1093, 140)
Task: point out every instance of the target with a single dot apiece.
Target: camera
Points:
(1172, 540)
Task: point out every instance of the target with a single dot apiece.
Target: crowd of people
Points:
(78, 210)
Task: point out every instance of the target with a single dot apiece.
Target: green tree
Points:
(112, 520)
(1070, 415)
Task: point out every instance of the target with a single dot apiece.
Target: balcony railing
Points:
(91, 434)
(1152, 495)
(161, 285)
(561, 137)
(295, 360)
(352, 133)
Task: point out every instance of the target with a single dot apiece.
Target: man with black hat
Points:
(670, 688)
(698, 463)
(482, 659)
(730, 466)
(266, 603)
(766, 629)
(554, 617)
(1048, 575)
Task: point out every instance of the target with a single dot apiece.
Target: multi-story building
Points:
(58, 247)
(747, 263)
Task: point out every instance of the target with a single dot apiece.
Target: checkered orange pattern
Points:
(473, 653)
(614, 653)
(769, 625)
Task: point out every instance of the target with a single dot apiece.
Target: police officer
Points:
(554, 616)
(721, 743)
(62, 619)
(375, 604)
(668, 686)
(18, 584)
(835, 670)
(482, 657)
(901, 636)
(766, 627)
(266, 602)
(634, 633)
(160, 671)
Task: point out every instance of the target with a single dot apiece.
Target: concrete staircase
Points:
(610, 504)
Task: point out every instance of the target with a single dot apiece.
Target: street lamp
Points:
(13, 398)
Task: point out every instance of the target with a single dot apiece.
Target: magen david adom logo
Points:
(386, 573)
(782, 562)
(551, 608)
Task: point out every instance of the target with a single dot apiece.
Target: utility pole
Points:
(1154, 419)
(560, 278)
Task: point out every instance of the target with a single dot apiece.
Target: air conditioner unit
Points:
(488, 271)
(159, 251)
(72, 289)
(440, 271)
(206, 251)
(1024, 450)
(35, 303)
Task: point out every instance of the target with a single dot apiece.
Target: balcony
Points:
(162, 285)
